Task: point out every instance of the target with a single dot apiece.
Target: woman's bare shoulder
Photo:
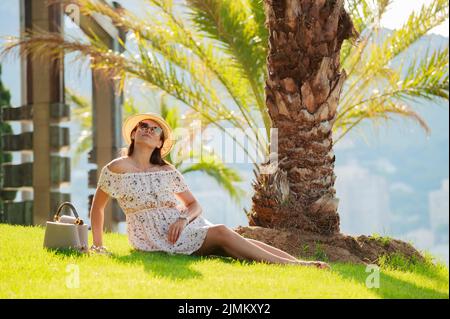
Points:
(170, 167)
(118, 165)
(122, 165)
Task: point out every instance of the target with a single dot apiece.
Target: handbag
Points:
(66, 231)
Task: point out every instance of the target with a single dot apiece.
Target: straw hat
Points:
(131, 122)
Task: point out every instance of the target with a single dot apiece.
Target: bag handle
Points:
(78, 221)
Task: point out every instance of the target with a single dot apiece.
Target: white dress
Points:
(150, 207)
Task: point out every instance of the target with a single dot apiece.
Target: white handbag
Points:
(66, 231)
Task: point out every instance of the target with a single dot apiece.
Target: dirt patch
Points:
(334, 248)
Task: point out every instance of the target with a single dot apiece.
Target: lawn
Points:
(29, 271)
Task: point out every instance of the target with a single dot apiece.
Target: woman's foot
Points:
(318, 264)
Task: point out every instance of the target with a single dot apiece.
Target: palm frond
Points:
(426, 79)
(230, 23)
(82, 145)
(169, 43)
(416, 27)
(375, 111)
(259, 16)
(363, 13)
(225, 70)
(225, 176)
(129, 107)
(366, 17)
(81, 110)
(166, 43)
(170, 114)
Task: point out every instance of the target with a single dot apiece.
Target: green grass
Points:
(382, 240)
(29, 271)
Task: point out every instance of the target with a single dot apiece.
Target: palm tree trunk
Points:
(302, 93)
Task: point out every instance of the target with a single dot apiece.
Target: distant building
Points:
(423, 238)
(363, 200)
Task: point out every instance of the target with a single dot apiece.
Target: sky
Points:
(396, 15)
(399, 11)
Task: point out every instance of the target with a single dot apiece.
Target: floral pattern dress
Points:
(150, 206)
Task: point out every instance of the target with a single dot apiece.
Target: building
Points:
(363, 200)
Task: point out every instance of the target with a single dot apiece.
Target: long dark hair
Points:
(155, 158)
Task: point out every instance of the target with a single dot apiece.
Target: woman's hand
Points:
(175, 230)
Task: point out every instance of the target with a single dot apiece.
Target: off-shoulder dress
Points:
(150, 206)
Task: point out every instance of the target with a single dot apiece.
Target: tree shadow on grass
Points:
(158, 263)
(429, 271)
(172, 266)
(390, 287)
(65, 252)
(426, 269)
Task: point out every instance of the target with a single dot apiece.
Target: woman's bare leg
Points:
(239, 247)
(272, 249)
(222, 238)
(284, 254)
(236, 246)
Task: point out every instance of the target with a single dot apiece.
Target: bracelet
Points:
(184, 217)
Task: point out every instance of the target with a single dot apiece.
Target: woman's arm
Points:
(193, 208)
(97, 216)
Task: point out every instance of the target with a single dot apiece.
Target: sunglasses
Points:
(146, 127)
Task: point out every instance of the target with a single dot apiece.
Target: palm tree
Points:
(211, 56)
(303, 89)
(302, 94)
(205, 161)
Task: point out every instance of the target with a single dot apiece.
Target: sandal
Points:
(100, 250)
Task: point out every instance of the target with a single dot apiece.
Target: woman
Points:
(147, 188)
